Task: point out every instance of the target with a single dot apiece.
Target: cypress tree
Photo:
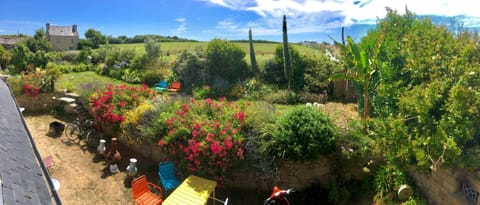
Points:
(253, 60)
(286, 55)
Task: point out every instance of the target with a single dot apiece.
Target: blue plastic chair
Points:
(166, 172)
(161, 86)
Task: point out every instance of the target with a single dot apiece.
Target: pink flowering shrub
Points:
(205, 137)
(32, 82)
(109, 106)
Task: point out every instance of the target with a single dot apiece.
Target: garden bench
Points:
(161, 86)
(174, 87)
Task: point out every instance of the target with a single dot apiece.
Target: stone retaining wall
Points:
(447, 186)
(291, 174)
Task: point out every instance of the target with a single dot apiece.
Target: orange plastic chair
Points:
(174, 87)
(142, 194)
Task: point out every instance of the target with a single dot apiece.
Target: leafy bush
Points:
(132, 76)
(225, 60)
(302, 134)
(135, 121)
(202, 92)
(256, 90)
(273, 73)
(308, 97)
(191, 69)
(205, 137)
(152, 76)
(259, 125)
(281, 97)
(33, 83)
(16, 84)
(388, 180)
(109, 106)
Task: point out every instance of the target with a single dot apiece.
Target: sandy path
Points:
(81, 175)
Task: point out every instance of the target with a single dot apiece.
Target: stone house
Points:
(62, 38)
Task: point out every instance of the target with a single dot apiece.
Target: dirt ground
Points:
(83, 176)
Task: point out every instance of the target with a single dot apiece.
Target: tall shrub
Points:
(225, 63)
(286, 55)
(253, 60)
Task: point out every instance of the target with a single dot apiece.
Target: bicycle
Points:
(279, 197)
(79, 129)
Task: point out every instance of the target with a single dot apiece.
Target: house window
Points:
(72, 41)
(71, 48)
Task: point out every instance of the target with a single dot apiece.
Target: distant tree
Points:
(274, 73)
(95, 37)
(152, 49)
(317, 71)
(123, 38)
(38, 59)
(38, 42)
(84, 43)
(190, 68)
(225, 60)
(113, 40)
(19, 58)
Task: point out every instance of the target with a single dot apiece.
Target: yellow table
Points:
(193, 191)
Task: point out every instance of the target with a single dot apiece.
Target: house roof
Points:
(62, 31)
(9, 40)
(24, 179)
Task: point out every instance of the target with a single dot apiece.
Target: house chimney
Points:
(74, 28)
(47, 30)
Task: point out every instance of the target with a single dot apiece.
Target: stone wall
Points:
(291, 174)
(447, 186)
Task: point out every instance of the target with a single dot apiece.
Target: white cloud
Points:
(305, 16)
(15, 26)
(227, 24)
(182, 27)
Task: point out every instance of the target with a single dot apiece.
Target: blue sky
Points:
(228, 19)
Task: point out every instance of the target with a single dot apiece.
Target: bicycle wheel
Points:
(89, 134)
(72, 131)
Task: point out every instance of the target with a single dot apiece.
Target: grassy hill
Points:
(263, 51)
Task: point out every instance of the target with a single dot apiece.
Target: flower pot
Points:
(404, 192)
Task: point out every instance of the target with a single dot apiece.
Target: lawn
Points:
(85, 83)
(263, 51)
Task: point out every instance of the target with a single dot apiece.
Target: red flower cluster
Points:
(205, 138)
(32, 82)
(109, 106)
(31, 90)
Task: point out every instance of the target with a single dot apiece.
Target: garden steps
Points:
(70, 103)
(67, 99)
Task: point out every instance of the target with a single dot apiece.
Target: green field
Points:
(263, 51)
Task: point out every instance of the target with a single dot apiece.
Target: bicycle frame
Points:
(85, 128)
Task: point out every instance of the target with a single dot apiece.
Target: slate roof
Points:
(62, 31)
(9, 42)
(24, 179)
